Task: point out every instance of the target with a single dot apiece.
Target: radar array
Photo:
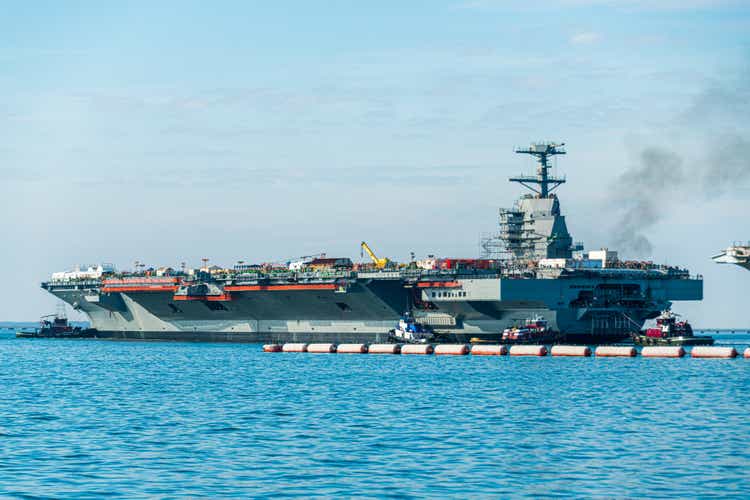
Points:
(542, 151)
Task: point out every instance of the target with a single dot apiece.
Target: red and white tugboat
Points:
(532, 331)
(669, 331)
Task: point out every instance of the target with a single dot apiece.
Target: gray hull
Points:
(369, 308)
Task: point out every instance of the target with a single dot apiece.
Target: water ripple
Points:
(140, 420)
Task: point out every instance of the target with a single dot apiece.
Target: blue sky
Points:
(265, 130)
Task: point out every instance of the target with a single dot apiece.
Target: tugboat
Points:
(409, 331)
(57, 327)
(669, 331)
(531, 331)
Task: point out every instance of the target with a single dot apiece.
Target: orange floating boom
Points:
(294, 347)
(417, 349)
(351, 349)
(662, 352)
(488, 350)
(384, 349)
(528, 350)
(451, 349)
(613, 351)
(571, 350)
(713, 352)
(321, 348)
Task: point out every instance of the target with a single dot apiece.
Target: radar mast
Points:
(546, 183)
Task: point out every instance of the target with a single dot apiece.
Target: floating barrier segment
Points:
(321, 348)
(351, 349)
(516, 350)
(571, 350)
(417, 349)
(613, 351)
(662, 351)
(528, 350)
(384, 349)
(713, 352)
(294, 348)
(489, 350)
(451, 350)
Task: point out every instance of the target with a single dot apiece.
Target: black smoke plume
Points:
(663, 178)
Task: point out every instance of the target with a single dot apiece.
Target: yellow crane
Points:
(379, 263)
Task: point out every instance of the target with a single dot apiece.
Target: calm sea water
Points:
(83, 418)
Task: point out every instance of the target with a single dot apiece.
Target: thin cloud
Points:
(585, 38)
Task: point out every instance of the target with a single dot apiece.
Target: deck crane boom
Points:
(380, 263)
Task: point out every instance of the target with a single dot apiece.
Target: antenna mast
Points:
(546, 183)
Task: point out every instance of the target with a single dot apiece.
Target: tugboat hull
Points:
(672, 341)
(49, 333)
(549, 339)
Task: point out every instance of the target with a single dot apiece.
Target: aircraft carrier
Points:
(531, 268)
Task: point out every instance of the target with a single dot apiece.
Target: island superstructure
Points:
(738, 254)
(531, 268)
